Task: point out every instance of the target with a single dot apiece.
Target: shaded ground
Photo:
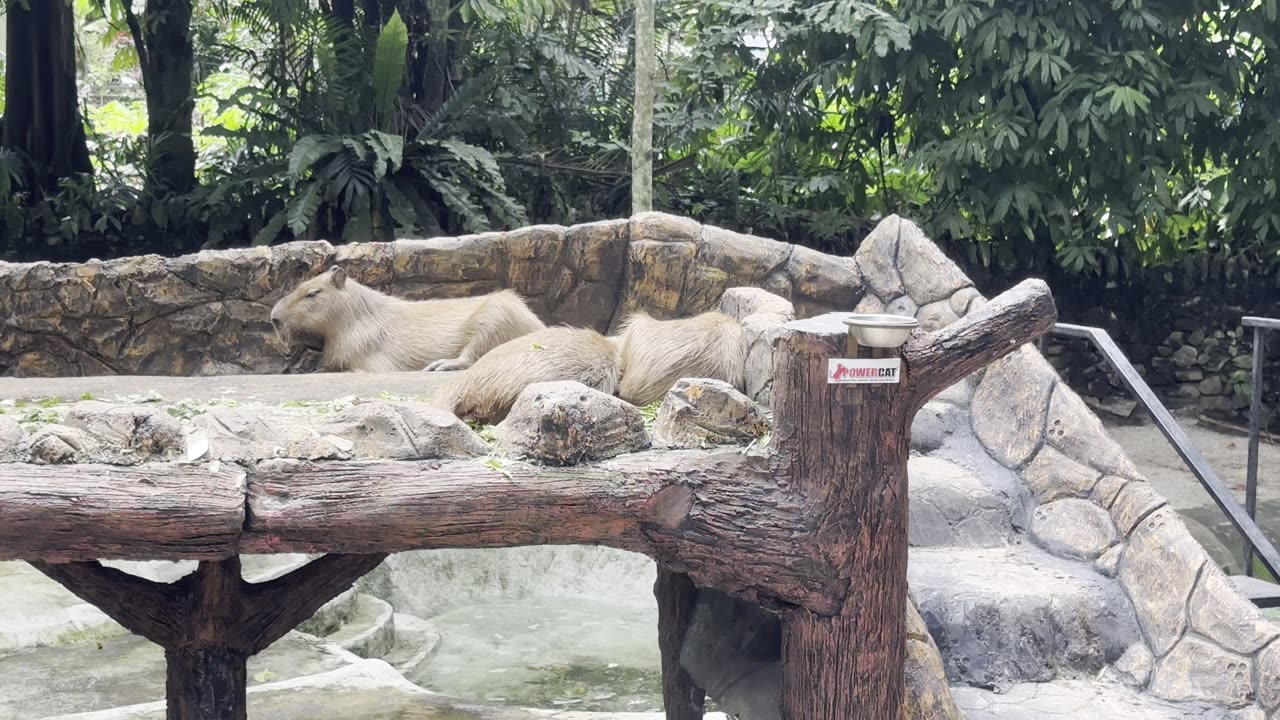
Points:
(1227, 453)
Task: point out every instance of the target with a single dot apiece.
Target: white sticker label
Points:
(863, 372)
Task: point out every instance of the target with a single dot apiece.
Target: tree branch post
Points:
(843, 449)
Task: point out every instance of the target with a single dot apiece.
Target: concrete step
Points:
(331, 616)
(1075, 700)
(950, 506)
(416, 640)
(370, 630)
(1016, 614)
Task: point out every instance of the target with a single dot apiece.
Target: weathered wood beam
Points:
(718, 516)
(156, 511)
(142, 606)
(946, 356)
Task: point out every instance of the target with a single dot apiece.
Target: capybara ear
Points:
(339, 276)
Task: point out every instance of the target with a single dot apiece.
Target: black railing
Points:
(1260, 327)
(1262, 594)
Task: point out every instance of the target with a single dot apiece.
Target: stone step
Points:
(331, 616)
(950, 506)
(416, 640)
(370, 631)
(1075, 700)
(1016, 614)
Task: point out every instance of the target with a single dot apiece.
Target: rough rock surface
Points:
(1052, 475)
(877, 256)
(934, 423)
(59, 444)
(928, 275)
(763, 315)
(1022, 380)
(1003, 615)
(1134, 666)
(368, 430)
(1226, 617)
(1073, 429)
(1073, 528)
(701, 412)
(1158, 571)
(1196, 669)
(1074, 700)
(563, 423)
(146, 431)
(951, 506)
(13, 440)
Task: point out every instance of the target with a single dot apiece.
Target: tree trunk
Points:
(642, 122)
(42, 115)
(167, 59)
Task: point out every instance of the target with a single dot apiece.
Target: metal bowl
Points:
(881, 331)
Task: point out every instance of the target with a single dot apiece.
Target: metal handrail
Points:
(1260, 327)
(1241, 518)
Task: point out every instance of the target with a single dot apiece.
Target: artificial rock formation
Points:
(1028, 455)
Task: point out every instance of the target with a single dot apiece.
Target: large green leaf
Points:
(389, 60)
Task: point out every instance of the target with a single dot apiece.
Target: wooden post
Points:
(211, 621)
(676, 595)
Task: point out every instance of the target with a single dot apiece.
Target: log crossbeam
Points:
(816, 531)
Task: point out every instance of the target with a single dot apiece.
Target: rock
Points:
(1134, 666)
(1199, 670)
(1134, 502)
(927, 274)
(1052, 475)
(1073, 528)
(1186, 391)
(951, 507)
(934, 423)
(59, 444)
(1105, 492)
(744, 259)
(1211, 385)
(869, 305)
(1177, 337)
(661, 227)
(1158, 571)
(1013, 395)
(402, 432)
(1196, 338)
(1242, 362)
(1003, 615)
(1190, 375)
(1164, 350)
(655, 277)
(150, 433)
(1222, 614)
(904, 306)
(701, 412)
(13, 441)
(1108, 563)
(563, 423)
(875, 258)
(961, 300)
(1215, 404)
(928, 696)
(1079, 435)
(936, 315)
(1185, 356)
(1119, 408)
(742, 302)
(1269, 676)
(762, 331)
(832, 282)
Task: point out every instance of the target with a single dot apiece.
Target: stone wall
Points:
(208, 313)
(1190, 348)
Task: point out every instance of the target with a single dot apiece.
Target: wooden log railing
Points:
(815, 531)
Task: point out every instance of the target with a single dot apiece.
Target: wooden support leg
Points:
(211, 621)
(676, 594)
(207, 683)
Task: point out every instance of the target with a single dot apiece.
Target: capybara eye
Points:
(314, 293)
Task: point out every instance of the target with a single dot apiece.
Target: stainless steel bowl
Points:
(881, 331)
